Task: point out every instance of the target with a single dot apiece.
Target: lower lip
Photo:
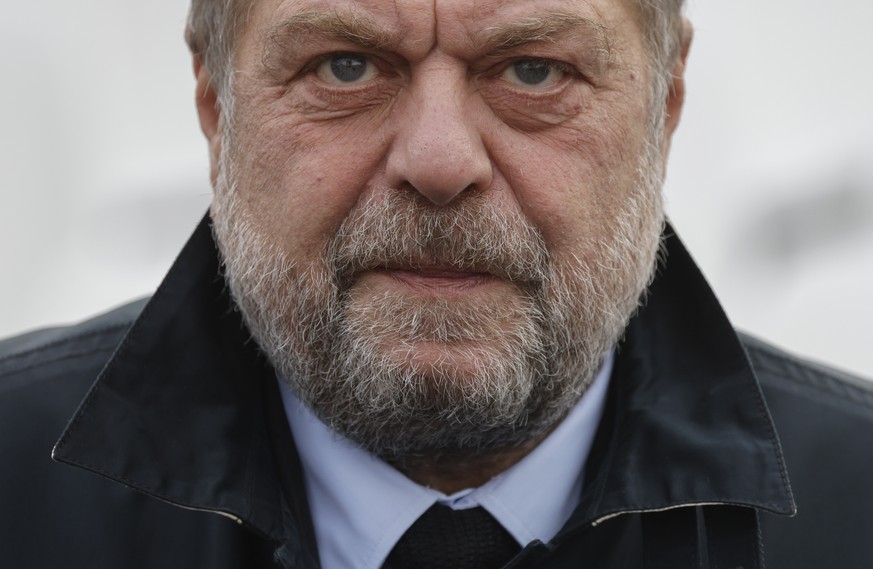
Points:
(441, 282)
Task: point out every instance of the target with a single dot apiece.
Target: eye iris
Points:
(348, 68)
(532, 72)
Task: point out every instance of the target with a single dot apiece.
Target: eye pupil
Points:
(531, 72)
(348, 68)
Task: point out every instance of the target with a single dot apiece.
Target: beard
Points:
(415, 377)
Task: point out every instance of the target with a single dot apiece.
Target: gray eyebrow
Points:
(547, 28)
(360, 30)
(353, 28)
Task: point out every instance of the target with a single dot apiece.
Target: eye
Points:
(346, 68)
(534, 73)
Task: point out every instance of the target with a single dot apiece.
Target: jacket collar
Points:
(178, 411)
(686, 423)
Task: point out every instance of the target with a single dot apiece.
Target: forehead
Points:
(423, 25)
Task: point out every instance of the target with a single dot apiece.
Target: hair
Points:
(662, 29)
(215, 25)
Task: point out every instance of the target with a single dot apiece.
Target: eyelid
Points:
(385, 64)
(556, 64)
(568, 70)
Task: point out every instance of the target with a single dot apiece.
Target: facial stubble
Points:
(498, 370)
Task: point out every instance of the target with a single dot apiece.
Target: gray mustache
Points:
(400, 229)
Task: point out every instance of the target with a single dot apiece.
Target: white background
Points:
(104, 171)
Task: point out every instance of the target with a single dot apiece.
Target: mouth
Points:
(434, 279)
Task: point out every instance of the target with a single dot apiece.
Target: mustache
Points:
(401, 229)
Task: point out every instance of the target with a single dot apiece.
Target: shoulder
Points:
(783, 373)
(28, 353)
(820, 413)
(45, 374)
(824, 418)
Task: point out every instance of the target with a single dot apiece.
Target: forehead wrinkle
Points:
(544, 28)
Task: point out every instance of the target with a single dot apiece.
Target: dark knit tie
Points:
(443, 538)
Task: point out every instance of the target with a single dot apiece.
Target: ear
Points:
(676, 93)
(209, 113)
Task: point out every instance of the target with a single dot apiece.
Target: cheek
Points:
(572, 181)
(300, 179)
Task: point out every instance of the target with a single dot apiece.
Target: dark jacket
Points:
(185, 460)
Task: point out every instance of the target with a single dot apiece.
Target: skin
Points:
(440, 111)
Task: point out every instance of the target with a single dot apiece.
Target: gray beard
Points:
(509, 368)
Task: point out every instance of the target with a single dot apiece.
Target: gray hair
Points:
(662, 28)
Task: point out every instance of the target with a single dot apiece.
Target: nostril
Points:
(440, 153)
(445, 196)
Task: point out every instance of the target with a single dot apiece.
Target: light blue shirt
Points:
(361, 505)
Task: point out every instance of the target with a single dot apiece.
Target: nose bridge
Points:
(438, 148)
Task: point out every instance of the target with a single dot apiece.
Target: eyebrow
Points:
(545, 28)
(353, 28)
(360, 30)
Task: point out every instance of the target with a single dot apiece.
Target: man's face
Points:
(437, 216)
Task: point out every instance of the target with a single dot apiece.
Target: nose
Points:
(437, 148)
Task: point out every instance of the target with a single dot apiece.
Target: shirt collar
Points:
(361, 506)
